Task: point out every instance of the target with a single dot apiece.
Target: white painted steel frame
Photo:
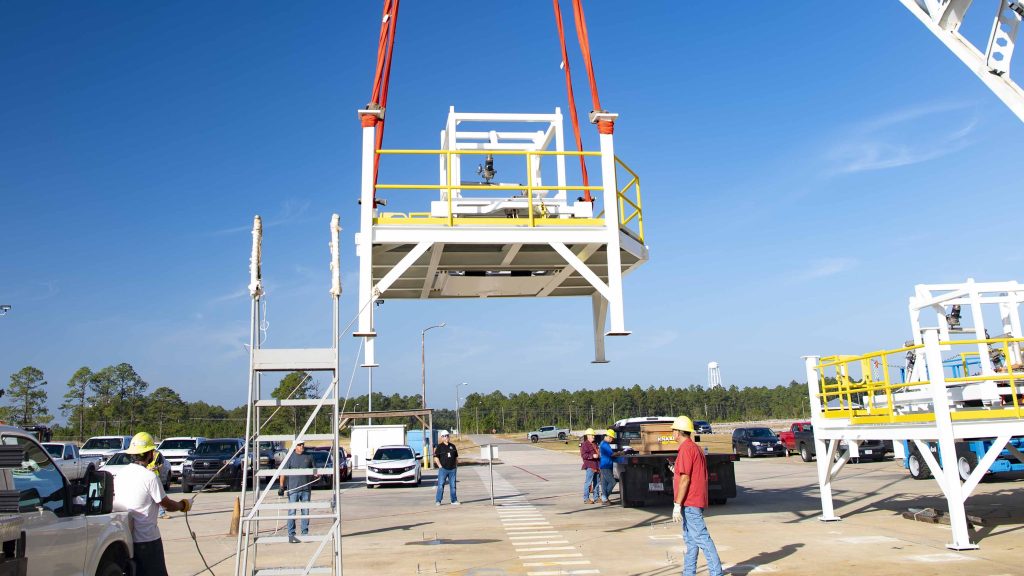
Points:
(253, 499)
(607, 297)
(943, 19)
(829, 432)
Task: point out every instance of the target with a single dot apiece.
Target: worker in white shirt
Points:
(138, 491)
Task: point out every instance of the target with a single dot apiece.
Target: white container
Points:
(366, 439)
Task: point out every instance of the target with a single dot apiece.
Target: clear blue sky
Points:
(801, 173)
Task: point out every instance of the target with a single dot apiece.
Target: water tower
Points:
(714, 376)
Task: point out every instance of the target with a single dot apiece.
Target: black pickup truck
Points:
(874, 450)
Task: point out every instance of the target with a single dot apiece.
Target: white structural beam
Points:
(600, 312)
(565, 272)
(435, 259)
(396, 272)
(583, 269)
(943, 19)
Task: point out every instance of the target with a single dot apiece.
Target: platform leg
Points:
(824, 461)
(364, 247)
(600, 307)
(611, 218)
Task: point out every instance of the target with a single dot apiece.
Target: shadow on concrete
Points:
(752, 564)
(388, 529)
(439, 541)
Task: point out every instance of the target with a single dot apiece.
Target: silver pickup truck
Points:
(59, 527)
(547, 433)
(70, 461)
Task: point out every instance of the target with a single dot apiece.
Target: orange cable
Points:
(603, 126)
(572, 101)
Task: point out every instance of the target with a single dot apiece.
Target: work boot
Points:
(456, 503)
(293, 539)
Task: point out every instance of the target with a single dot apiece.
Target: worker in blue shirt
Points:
(608, 459)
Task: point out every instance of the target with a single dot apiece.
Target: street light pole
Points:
(423, 387)
(458, 405)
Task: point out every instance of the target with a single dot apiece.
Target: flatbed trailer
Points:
(649, 452)
(646, 479)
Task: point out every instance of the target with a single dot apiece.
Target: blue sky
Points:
(800, 174)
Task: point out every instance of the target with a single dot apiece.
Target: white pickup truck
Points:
(547, 432)
(105, 446)
(70, 461)
(67, 528)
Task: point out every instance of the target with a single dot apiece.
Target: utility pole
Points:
(591, 415)
(477, 418)
(503, 418)
(613, 411)
(423, 386)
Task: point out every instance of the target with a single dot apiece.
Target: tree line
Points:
(116, 400)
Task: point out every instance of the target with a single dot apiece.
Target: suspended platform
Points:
(954, 394)
(513, 227)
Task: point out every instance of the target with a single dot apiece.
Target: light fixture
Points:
(4, 309)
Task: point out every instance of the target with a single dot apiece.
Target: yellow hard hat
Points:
(588, 432)
(141, 443)
(683, 423)
(610, 433)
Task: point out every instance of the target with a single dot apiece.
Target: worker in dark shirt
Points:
(298, 488)
(446, 458)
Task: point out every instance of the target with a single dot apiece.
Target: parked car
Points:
(105, 446)
(120, 461)
(206, 463)
(70, 461)
(322, 459)
(757, 442)
(868, 449)
(66, 528)
(547, 432)
(176, 450)
(702, 427)
(789, 436)
(396, 464)
(271, 454)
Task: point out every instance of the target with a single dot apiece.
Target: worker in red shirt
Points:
(690, 484)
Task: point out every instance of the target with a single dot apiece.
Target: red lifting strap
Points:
(382, 79)
(572, 101)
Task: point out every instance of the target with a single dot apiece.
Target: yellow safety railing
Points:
(625, 220)
(854, 385)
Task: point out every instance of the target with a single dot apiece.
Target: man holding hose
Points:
(298, 488)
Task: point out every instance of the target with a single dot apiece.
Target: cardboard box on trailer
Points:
(366, 439)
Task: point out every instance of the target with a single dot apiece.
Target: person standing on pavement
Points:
(690, 484)
(298, 488)
(446, 458)
(139, 492)
(607, 464)
(590, 457)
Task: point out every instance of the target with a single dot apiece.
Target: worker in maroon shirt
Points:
(690, 484)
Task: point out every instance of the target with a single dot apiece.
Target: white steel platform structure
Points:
(944, 18)
(258, 506)
(528, 237)
(931, 400)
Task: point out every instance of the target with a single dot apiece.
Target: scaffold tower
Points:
(260, 504)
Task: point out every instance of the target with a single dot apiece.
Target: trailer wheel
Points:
(917, 467)
(805, 454)
(534, 438)
(966, 461)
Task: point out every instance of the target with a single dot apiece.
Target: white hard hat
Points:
(443, 433)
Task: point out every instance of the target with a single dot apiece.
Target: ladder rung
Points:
(284, 539)
(289, 505)
(294, 359)
(297, 472)
(291, 437)
(295, 402)
(292, 517)
(293, 571)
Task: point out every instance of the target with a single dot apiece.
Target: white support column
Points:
(600, 308)
(820, 446)
(400, 268)
(364, 248)
(616, 307)
(947, 444)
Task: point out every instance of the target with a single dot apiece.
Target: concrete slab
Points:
(540, 526)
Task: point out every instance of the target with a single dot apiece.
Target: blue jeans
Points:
(590, 484)
(300, 496)
(446, 475)
(695, 533)
(607, 483)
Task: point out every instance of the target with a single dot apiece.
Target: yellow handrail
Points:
(850, 392)
(623, 198)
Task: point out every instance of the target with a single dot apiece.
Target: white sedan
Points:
(393, 465)
(120, 460)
